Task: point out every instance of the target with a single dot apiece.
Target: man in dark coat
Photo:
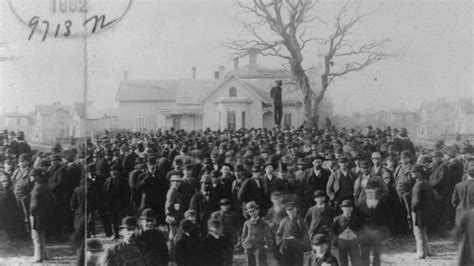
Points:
(186, 252)
(463, 194)
(276, 93)
(19, 145)
(442, 188)
(252, 190)
(133, 180)
(213, 247)
(151, 240)
(153, 188)
(41, 199)
(204, 203)
(402, 172)
(315, 178)
(78, 202)
(116, 198)
(422, 210)
(341, 184)
(21, 189)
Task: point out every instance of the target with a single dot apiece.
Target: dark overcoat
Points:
(422, 202)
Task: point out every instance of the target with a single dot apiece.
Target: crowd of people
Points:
(200, 197)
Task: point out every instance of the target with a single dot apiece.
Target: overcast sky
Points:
(164, 39)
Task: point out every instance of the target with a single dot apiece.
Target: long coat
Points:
(40, 202)
(78, 201)
(463, 198)
(422, 202)
(440, 182)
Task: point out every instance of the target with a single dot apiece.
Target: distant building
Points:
(51, 123)
(232, 100)
(464, 116)
(97, 120)
(16, 121)
(436, 119)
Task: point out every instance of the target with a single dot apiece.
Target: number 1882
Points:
(72, 6)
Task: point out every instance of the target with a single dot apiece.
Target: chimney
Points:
(236, 62)
(216, 74)
(194, 72)
(125, 75)
(252, 60)
(221, 72)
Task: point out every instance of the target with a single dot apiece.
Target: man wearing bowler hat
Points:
(346, 229)
(341, 183)
(441, 182)
(204, 202)
(316, 178)
(321, 254)
(253, 190)
(151, 240)
(229, 228)
(319, 217)
(127, 251)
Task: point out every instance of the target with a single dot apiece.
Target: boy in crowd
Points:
(187, 251)
(319, 217)
(321, 255)
(256, 236)
(346, 230)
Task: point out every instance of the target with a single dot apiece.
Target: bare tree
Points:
(288, 20)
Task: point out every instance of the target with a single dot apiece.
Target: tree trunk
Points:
(305, 86)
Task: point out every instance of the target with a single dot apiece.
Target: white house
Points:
(52, 123)
(465, 116)
(233, 100)
(16, 121)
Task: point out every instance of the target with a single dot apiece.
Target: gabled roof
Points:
(466, 105)
(49, 109)
(147, 90)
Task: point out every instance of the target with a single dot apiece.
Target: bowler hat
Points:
(319, 239)
(56, 157)
(206, 178)
(252, 205)
(36, 172)
(319, 193)
(190, 213)
(214, 223)
(365, 164)
(239, 168)
(343, 159)
(405, 153)
(215, 174)
(317, 157)
(207, 161)
(129, 222)
(148, 214)
(256, 168)
(347, 203)
(267, 164)
(186, 225)
(224, 202)
(417, 169)
(290, 205)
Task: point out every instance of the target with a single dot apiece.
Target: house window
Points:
(176, 122)
(287, 120)
(232, 92)
(18, 121)
(243, 119)
(231, 120)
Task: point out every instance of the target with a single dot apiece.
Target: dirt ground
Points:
(394, 252)
(21, 252)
